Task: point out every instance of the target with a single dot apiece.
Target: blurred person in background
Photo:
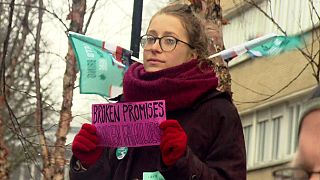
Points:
(306, 164)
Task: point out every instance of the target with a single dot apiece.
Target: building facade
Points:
(269, 91)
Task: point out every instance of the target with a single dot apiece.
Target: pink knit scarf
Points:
(179, 86)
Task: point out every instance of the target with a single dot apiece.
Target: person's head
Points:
(182, 38)
(307, 160)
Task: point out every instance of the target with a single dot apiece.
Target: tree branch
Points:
(44, 9)
(91, 13)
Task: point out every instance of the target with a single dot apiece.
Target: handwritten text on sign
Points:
(129, 124)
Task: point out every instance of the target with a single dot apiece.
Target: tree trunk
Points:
(214, 33)
(4, 172)
(39, 113)
(76, 25)
(211, 13)
(4, 163)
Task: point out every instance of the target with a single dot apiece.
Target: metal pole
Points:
(136, 27)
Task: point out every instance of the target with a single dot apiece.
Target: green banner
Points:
(276, 45)
(100, 71)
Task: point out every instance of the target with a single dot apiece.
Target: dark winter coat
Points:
(215, 150)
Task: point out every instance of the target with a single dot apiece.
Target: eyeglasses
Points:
(292, 173)
(167, 43)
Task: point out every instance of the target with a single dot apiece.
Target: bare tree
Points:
(77, 18)
(3, 148)
(310, 53)
(39, 107)
(311, 50)
(25, 105)
(17, 101)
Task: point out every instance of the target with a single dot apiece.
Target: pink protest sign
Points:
(129, 124)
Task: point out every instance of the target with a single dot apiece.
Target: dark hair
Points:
(192, 24)
(309, 106)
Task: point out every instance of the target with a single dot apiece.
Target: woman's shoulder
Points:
(217, 104)
(214, 97)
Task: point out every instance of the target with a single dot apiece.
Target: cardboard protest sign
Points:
(129, 124)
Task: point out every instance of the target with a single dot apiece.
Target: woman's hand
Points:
(84, 145)
(173, 142)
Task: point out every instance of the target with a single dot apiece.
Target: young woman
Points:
(202, 137)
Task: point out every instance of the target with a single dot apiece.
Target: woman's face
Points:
(154, 58)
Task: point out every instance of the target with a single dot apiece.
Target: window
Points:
(290, 129)
(271, 134)
(296, 128)
(247, 134)
(262, 140)
(275, 137)
(292, 134)
(294, 112)
(248, 131)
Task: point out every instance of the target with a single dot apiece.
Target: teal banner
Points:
(101, 68)
(276, 45)
(267, 45)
